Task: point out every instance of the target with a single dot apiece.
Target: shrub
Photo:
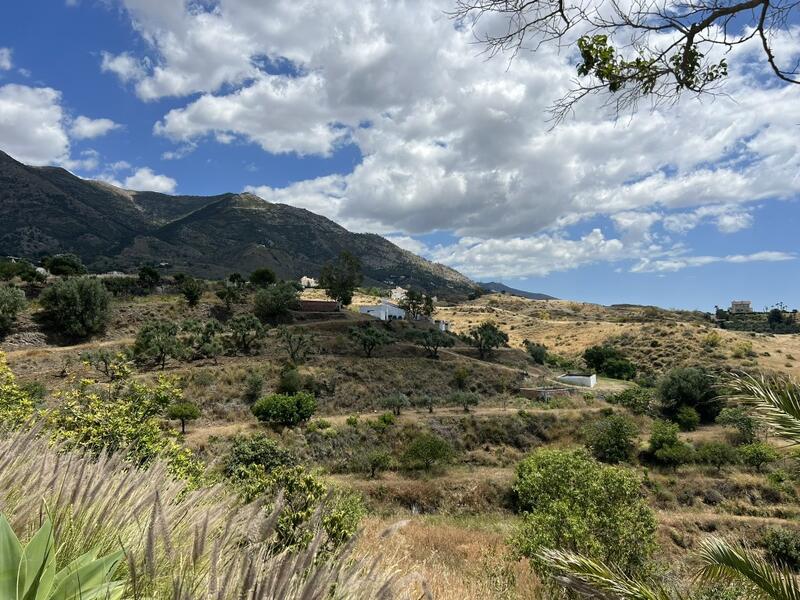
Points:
(12, 301)
(341, 278)
(157, 342)
(245, 333)
(689, 386)
(687, 418)
(383, 422)
(368, 338)
(297, 345)
(229, 294)
(290, 381)
(192, 290)
(261, 277)
(377, 461)
(465, 399)
(716, 454)
(352, 421)
(572, 502)
(149, 277)
(272, 304)
(537, 352)
(427, 451)
(16, 406)
(183, 411)
(257, 449)
(285, 410)
(782, 547)
(253, 386)
(20, 268)
(203, 339)
(77, 307)
(460, 377)
(609, 361)
(112, 365)
(612, 439)
(486, 337)
(758, 454)
(636, 399)
(742, 421)
(65, 265)
(666, 448)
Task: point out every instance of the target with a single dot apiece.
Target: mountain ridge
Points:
(495, 286)
(47, 210)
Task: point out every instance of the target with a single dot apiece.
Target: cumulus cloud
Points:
(451, 141)
(84, 128)
(5, 59)
(32, 126)
(144, 179)
(676, 264)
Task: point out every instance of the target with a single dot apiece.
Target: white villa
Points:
(385, 311)
(308, 282)
(741, 306)
(399, 294)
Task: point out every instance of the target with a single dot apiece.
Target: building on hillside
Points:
(581, 379)
(741, 306)
(385, 311)
(308, 282)
(319, 306)
(444, 326)
(398, 294)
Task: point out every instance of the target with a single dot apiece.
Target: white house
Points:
(308, 282)
(580, 379)
(385, 311)
(741, 306)
(444, 326)
(399, 294)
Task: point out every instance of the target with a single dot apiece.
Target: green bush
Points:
(609, 361)
(687, 418)
(782, 546)
(465, 399)
(426, 451)
(203, 339)
(758, 454)
(77, 307)
(666, 448)
(637, 399)
(290, 381)
(716, 454)
(257, 449)
(612, 439)
(149, 277)
(192, 290)
(537, 352)
(395, 402)
(157, 342)
(742, 421)
(689, 386)
(571, 502)
(286, 410)
(65, 265)
(273, 304)
(12, 301)
(262, 277)
(253, 386)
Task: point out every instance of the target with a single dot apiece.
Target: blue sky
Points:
(382, 117)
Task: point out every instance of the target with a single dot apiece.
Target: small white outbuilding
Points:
(385, 311)
(581, 379)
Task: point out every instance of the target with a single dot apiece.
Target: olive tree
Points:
(486, 337)
(368, 338)
(77, 307)
(341, 277)
(12, 301)
(183, 411)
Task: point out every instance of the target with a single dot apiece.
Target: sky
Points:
(385, 117)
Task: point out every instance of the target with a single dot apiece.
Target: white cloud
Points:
(676, 264)
(84, 128)
(408, 243)
(454, 142)
(32, 124)
(144, 179)
(5, 59)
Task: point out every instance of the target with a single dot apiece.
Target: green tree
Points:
(612, 439)
(149, 277)
(638, 400)
(236, 280)
(192, 290)
(65, 265)
(285, 410)
(297, 345)
(689, 386)
(257, 449)
(341, 278)
(426, 451)
(377, 461)
(77, 307)
(431, 340)
(368, 338)
(157, 342)
(537, 352)
(610, 361)
(417, 304)
(244, 333)
(183, 411)
(716, 454)
(203, 338)
(395, 402)
(743, 422)
(486, 337)
(774, 318)
(666, 448)
(687, 418)
(461, 377)
(12, 301)
(273, 303)
(465, 399)
(113, 365)
(262, 277)
(758, 454)
(229, 294)
(572, 502)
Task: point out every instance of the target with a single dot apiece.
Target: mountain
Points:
(47, 210)
(500, 288)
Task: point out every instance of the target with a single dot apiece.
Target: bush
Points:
(609, 361)
(689, 386)
(758, 454)
(192, 290)
(572, 502)
(262, 277)
(77, 307)
(741, 420)
(716, 454)
(290, 381)
(612, 439)
(157, 342)
(426, 451)
(253, 386)
(12, 301)
(377, 461)
(149, 277)
(203, 339)
(257, 449)
(636, 399)
(272, 304)
(183, 411)
(537, 352)
(782, 547)
(297, 345)
(65, 265)
(395, 402)
(687, 418)
(285, 410)
(666, 448)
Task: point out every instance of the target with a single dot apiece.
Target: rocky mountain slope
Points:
(47, 210)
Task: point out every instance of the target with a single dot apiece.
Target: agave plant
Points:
(29, 572)
(776, 403)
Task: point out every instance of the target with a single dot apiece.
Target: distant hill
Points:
(501, 288)
(47, 210)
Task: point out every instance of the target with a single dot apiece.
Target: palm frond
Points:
(596, 579)
(723, 561)
(775, 401)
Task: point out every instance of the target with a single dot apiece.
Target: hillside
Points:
(494, 287)
(49, 210)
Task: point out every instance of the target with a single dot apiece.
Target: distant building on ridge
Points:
(741, 306)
